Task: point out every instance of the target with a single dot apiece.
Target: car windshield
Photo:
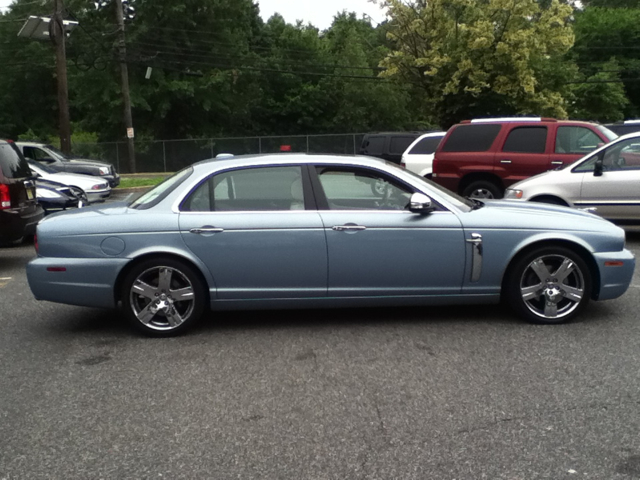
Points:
(454, 198)
(156, 194)
(57, 153)
(607, 133)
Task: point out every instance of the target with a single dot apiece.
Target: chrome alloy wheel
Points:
(552, 286)
(162, 298)
(481, 193)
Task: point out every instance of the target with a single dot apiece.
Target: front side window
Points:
(249, 189)
(360, 189)
(471, 138)
(526, 140)
(576, 140)
(12, 164)
(426, 146)
(623, 155)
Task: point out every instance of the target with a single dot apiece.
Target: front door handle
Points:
(342, 228)
(206, 229)
(557, 162)
(505, 161)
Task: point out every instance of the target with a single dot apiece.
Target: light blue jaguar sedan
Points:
(312, 231)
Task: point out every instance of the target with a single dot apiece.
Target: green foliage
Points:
(479, 57)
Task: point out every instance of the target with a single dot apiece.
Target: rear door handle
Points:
(342, 228)
(505, 161)
(557, 162)
(206, 229)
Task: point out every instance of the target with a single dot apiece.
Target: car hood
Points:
(532, 215)
(76, 179)
(86, 161)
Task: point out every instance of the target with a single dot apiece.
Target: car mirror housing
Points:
(420, 203)
(597, 168)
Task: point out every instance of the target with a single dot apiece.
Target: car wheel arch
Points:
(124, 272)
(469, 178)
(576, 247)
(550, 199)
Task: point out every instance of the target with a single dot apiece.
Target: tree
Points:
(480, 57)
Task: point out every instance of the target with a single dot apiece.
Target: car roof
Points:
(290, 159)
(31, 144)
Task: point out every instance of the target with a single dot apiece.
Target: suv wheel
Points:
(482, 189)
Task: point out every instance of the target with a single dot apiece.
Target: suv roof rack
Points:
(510, 119)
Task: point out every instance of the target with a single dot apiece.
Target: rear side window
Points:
(526, 140)
(399, 144)
(426, 146)
(12, 163)
(471, 138)
(374, 145)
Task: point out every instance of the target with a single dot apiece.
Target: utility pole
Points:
(126, 98)
(58, 37)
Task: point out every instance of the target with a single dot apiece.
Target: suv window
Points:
(576, 140)
(623, 155)
(526, 140)
(35, 153)
(12, 163)
(398, 145)
(249, 189)
(374, 145)
(471, 138)
(426, 146)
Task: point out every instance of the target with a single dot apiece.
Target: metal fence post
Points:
(307, 143)
(164, 155)
(211, 145)
(117, 157)
(354, 144)
(259, 144)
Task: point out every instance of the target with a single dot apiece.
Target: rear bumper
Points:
(14, 224)
(616, 272)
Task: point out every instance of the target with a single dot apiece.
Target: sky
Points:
(319, 13)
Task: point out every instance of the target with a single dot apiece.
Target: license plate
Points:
(29, 194)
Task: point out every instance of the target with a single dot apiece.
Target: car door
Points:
(616, 193)
(254, 230)
(376, 246)
(523, 154)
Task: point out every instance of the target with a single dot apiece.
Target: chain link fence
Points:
(173, 155)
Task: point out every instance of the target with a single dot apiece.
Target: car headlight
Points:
(511, 193)
(46, 193)
(98, 186)
(104, 170)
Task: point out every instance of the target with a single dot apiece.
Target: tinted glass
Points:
(12, 163)
(374, 145)
(249, 189)
(471, 138)
(355, 189)
(426, 146)
(399, 144)
(623, 155)
(576, 140)
(526, 140)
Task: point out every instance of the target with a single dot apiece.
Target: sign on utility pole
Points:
(126, 98)
(58, 37)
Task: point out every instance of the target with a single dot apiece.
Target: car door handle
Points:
(342, 228)
(505, 161)
(206, 229)
(557, 162)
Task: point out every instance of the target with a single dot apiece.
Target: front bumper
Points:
(616, 272)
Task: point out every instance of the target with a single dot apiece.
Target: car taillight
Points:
(5, 198)
(434, 167)
(403, 165)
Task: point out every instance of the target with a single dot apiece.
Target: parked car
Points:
(480, 158)
(55, 197)
(622, 128)
(57, 160)
(19, 209)
(418, 157)
(91, 188)
(294, 231)
(387, 145)
(606, 181)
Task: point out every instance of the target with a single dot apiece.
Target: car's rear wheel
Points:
(163, 296)
(549, 285)
(482, 189)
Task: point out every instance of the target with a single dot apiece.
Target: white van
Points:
(418, 157)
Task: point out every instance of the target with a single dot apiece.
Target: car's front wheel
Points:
(549, 285)
(163, 296)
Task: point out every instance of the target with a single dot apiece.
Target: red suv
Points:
(19, 210)
(480, 158)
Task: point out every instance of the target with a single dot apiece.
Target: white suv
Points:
(418, 157)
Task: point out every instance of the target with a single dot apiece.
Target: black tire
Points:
(482, 189)
(152, 307)
(13, 243)
(550, 201)
(549, 285)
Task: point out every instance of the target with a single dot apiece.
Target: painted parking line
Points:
(4, 281)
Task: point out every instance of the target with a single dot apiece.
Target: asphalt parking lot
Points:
(411, 393)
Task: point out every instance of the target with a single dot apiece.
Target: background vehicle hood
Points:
(86, 161)
(76, 179)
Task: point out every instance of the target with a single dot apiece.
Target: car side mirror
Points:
(420, 203)
(597, 168)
